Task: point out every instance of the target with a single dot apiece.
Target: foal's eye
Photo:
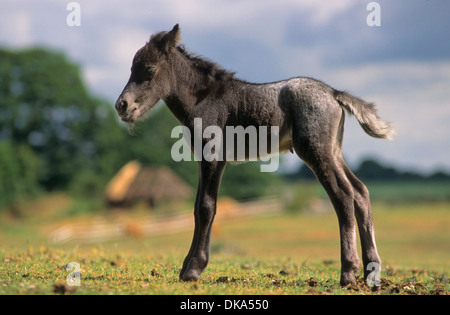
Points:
(151, 70)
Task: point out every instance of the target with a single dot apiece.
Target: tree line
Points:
(372, 170)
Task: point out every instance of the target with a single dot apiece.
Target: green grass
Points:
(102, 272)
(285, 254)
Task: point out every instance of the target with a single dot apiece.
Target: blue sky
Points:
(403, 65)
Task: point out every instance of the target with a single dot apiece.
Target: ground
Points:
(278, 254)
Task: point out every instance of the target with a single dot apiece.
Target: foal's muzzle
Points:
(125, 109)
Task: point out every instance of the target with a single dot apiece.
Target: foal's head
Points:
(149, 80)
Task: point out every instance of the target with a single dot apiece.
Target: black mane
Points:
(215, 78)
(210, 69)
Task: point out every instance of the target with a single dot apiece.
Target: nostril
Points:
(122, 106)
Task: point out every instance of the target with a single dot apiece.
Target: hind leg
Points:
(363, 212)
(340, 192)
(317, 136)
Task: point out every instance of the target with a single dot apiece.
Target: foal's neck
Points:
(189, 86)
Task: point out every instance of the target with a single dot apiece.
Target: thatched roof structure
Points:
(135, 183)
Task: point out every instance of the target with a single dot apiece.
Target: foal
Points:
(309, 114)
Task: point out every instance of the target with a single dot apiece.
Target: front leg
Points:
(195, 262)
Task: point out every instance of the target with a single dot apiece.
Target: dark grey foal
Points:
(309, 114)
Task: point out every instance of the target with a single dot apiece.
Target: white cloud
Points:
(15, 28)
(119, 45)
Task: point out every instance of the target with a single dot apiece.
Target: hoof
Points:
(347, 279)
(190, 275)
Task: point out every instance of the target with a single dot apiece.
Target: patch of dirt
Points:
(407, 286)
(312, 282)
(63, 288)
(155, 273)
(285, 272)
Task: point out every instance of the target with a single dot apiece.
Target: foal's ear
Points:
(175, 34)
(171, 39)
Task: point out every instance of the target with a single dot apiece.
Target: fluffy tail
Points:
(366, 115)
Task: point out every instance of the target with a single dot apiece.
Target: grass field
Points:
(282, 254)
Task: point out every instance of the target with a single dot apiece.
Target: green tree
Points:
(45, 105)
(371, 169)
(19, 171)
